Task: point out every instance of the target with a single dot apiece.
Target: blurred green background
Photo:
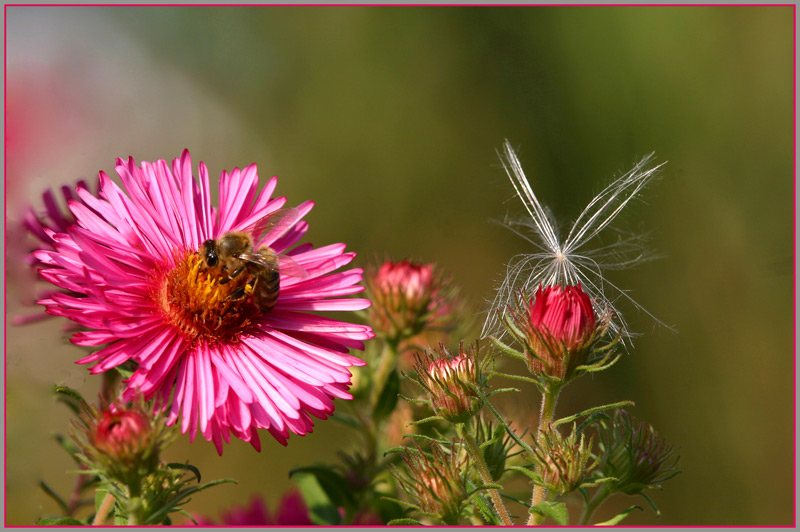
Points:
(389, 119)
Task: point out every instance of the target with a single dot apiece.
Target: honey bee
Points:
(234, 254)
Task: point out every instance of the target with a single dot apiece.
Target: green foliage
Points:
(335, 486)
(320, 507)
(619, 517)
(557, 511)
(61, 521)
(387, 400)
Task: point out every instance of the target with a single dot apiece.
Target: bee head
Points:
(209, 252)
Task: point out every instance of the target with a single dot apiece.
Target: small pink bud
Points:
(401, 294)
(123, 435)
(409, 298)
(450, 382)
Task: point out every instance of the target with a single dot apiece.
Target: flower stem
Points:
(600, 495)
(388, 360)
(549, 399)
(483, 470)
(102, 512)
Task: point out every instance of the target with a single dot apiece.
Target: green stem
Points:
(135, 507)
(549, 400)
(600, 495)
(483, 470)
(388, 361)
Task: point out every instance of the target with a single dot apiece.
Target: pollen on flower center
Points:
(192, 298)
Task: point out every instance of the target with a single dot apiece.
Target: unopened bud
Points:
(451, 382)
(437, 481)
(559, 329)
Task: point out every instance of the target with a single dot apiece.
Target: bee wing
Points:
(289, 266)
(257, 258)
(286, 265)
(280, 221)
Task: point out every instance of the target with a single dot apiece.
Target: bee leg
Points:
(234, 273)
(236, 294)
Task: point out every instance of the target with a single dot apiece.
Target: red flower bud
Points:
(559, 326)
(123, 435)
(564, 315)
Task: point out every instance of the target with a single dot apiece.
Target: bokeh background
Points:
(390, 119)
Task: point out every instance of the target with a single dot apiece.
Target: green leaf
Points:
(404, 521)
(53, 495)
(517, 500)
(485, 509)
(651, 503)
(513, 353)
(67, 444)
(514, 377)
(557, 511)
(388, 397)
(528, 473)
(501, 390)
(71, 398)
(619, 517)
(426, 420)
(186, 467)
(400, 503)
(423, 437)
(187, 515)
(322, 511)
(335, 486)
(181, 497)
(482, 487)
(61, 521)
(125, 370)
(593, 410)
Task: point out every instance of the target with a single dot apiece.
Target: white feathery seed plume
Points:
(566, 261)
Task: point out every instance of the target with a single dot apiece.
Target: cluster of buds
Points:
(408, 298)
(559, 332)
(563, 461)
(437, 481)
(633, 454)
(451, 382)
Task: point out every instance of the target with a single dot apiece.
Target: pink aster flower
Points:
(202, 348)
(291, 511)
(41, 224)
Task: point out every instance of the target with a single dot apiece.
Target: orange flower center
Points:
(193, 298)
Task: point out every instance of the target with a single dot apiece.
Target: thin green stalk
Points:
(600, 495)
(388, 360)
(483, 470)
(549, 400)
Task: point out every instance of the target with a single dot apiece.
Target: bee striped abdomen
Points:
(266, 289)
